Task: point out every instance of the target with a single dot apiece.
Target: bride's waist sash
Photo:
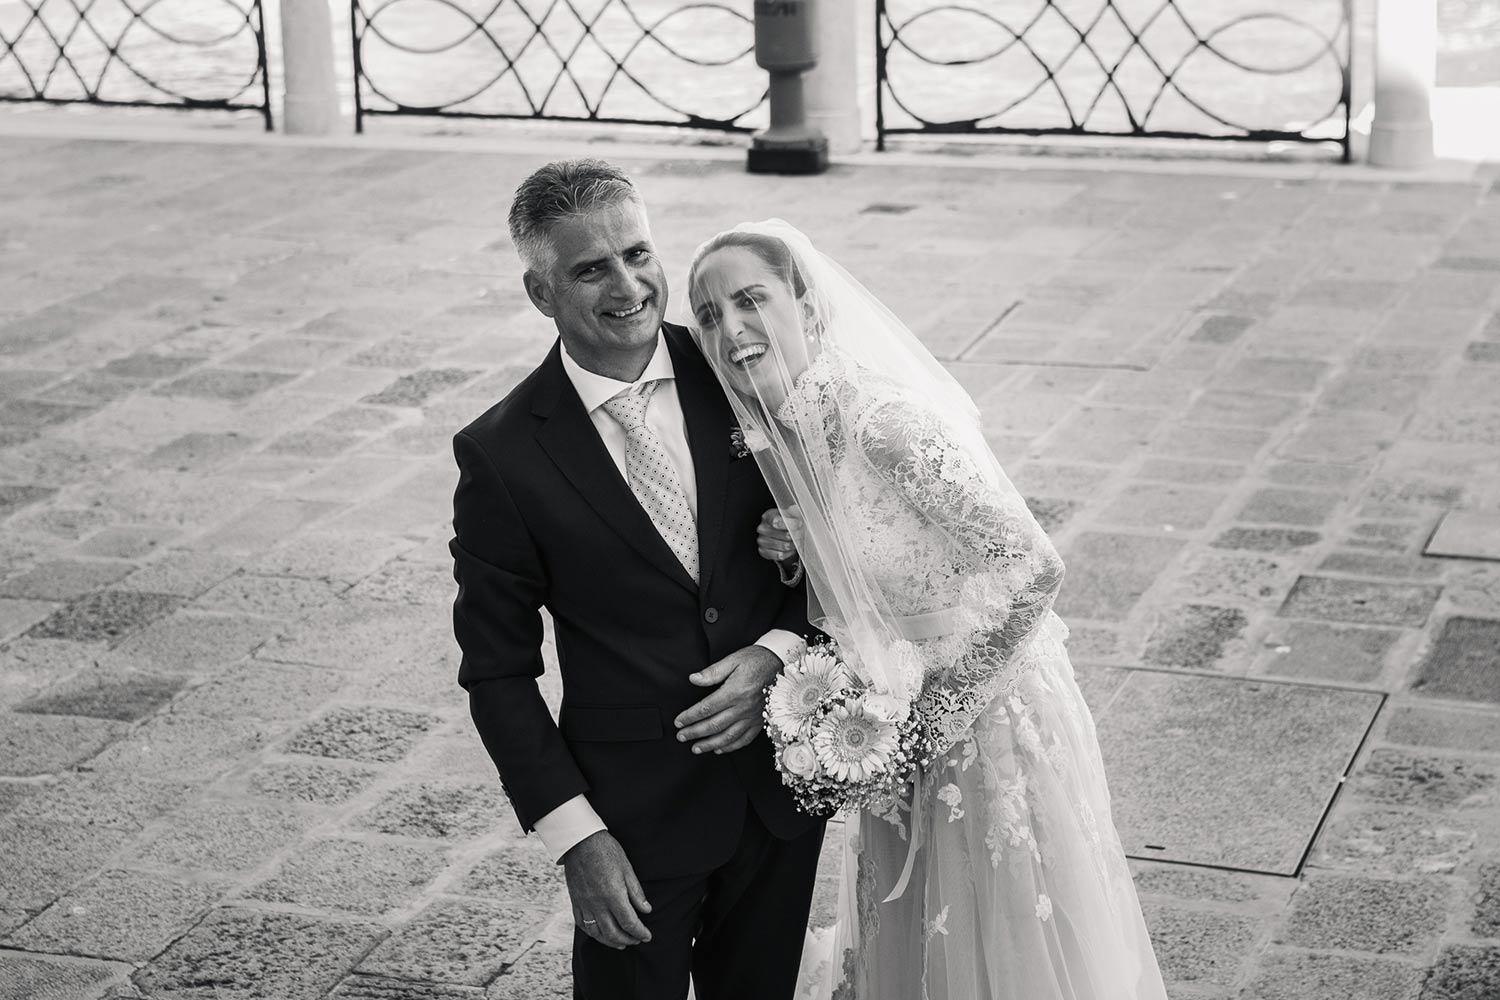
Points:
(946, 621)
(928, 625)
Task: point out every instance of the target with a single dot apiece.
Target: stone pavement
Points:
(235, 762)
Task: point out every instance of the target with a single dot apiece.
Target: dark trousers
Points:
(737, 930)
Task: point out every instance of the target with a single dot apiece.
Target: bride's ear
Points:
(812, 322)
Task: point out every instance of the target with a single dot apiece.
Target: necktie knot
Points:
(629, 408)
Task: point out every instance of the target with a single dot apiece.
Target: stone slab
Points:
(1486, 922)
(308, 782)
(28, 977)
(436, 810)
(353, 876)
(45, 859)
(540, 974)
(1361, 913)
(1326, 651)
(64, 580)
(106, 615)
(198, 642)
(1466, 534)
(43, 744)
(1200, 948)
(1447, 728)
(184, 748)
(1465, 972)
(364, 733)
(1437, 784)
(1391, 842)
(1108, 574)
(263, 691)
(1194, 636)
(384, 988)
(1359, 602)
(466, 942)
(1164, 507)
(218, 836)
(99, 694)
(128, 916)
(523, 873)
(1303, 975)
(235, 953)
(1227, 772)
(1464, 663)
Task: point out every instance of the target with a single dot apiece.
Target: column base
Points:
(1401, 145)
(310, 117)
(806, 154)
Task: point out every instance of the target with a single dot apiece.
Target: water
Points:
(1201, 65)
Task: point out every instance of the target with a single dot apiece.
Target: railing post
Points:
(786, 46)
(1405, 74)
(833, 84)
(311, 105)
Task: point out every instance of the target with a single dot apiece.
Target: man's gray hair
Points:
(562, 190)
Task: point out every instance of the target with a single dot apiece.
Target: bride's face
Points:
(751, 323)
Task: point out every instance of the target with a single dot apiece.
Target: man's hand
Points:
(605, 892)
(730, 718)
(772, 539)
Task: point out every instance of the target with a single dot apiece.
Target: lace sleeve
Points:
(984, 518)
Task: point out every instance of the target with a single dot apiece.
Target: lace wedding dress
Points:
(1018, 887)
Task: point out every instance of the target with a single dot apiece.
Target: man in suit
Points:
(610, 487)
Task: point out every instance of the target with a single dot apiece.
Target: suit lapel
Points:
(708, 419)
(569, 438)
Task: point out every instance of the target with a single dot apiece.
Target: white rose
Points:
(799, 759)
(885, 706)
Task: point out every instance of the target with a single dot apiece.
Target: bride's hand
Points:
(773, 540)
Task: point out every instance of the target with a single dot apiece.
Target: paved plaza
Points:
(234, 761)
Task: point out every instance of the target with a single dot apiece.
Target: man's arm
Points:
(498, 625)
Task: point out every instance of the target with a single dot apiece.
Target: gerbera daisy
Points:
(801, 691)
(854, 745)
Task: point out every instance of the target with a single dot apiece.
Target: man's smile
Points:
(627, 313)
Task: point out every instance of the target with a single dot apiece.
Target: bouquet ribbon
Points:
(913, 844)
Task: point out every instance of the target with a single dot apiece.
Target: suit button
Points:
(711, 615)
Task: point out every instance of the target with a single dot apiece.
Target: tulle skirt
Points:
(1018, 888)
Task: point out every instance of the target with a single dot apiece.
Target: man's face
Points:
(606, 290)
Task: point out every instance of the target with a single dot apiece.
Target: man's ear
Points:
(540, 293)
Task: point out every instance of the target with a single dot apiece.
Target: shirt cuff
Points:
(787, 646)
(565, 827)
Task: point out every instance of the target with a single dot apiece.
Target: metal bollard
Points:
(785, 48)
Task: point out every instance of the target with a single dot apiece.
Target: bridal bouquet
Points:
(840, 744)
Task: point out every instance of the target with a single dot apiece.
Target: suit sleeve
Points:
(497, 622)
(793, 616)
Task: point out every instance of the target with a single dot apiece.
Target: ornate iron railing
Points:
(1196, 69)
(193, 54)
(638, 62)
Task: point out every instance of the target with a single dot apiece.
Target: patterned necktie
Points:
(653, 478)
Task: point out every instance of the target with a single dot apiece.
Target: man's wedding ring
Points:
(587, 921)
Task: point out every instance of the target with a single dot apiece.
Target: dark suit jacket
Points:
(542, 517)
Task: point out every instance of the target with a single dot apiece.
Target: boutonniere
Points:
(737, 446)
(744, 442)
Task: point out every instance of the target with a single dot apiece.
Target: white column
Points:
(311, 106)
(832, 87)
(1405, 73)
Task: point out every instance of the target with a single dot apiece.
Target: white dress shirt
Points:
(574, 820)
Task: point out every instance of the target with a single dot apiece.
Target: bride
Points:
(999, 876)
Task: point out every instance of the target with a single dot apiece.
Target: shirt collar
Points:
(596, 390)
